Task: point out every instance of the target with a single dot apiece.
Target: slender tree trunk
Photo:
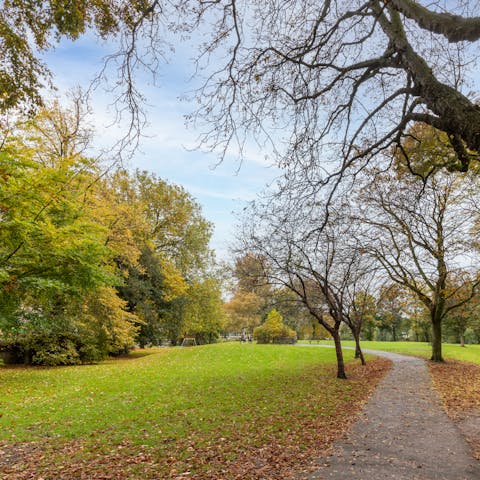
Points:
(358, 349)
(437, 340)
(394, 333)
(462, 339)
(338, 351)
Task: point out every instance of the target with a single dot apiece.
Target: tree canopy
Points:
(92, 262)
(342, 78)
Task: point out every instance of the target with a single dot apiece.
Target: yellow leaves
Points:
(244, 310)
(174, 283)
(273, 329)
(104, 311)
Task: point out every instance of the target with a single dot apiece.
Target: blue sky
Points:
(168, 146)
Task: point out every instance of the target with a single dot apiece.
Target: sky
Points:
(168, 146)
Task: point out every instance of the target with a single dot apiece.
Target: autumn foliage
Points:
(274, 330)
(93, 262)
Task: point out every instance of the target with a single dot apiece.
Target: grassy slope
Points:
(180, 402)
(469, 353)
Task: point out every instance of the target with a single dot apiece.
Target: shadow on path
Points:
(403, 434)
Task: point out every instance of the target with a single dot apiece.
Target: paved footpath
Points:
(403, 434)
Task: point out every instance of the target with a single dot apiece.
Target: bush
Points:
(41, 349)
(274, 330)
(36, 340)
(52, 351)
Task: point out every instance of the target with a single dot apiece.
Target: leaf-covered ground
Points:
(459, 386)
(217, 412)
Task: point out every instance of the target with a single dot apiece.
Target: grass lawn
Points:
(215, 411)
(469, 353)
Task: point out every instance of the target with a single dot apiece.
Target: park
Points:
(240, 240)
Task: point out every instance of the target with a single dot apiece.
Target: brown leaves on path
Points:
(459, 387)
(254, 452)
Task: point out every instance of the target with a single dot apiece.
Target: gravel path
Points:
(403, 434)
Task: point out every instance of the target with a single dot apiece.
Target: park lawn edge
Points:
(276, 455)
(451, 352)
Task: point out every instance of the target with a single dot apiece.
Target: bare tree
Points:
(322, 266)
(339, 79)
(350, 74)
(420, 231)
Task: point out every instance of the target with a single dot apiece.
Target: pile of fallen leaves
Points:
(281, 453)
(459, 386)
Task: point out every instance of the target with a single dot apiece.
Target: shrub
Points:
(274, 330)
(52, 351)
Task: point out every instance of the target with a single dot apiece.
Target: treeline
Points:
(92, 263)
(387, 312)
(390, 253)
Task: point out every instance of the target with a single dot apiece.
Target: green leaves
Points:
(72, 240)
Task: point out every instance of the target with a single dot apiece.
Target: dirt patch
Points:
(459, 386)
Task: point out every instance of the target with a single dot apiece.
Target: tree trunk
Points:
(338, 351)
(358, 350)
(437, 340)
(462, 339)
(394, 333)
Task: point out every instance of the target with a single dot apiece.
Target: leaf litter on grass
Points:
(275, 445)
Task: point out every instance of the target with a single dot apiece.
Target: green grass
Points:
(167, 394)
(206, 410)
(469, 353)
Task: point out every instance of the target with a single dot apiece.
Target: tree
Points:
(273, 330)
(202, 314)
(345, 79)
(249, 274)
(151, 286)
(420, 230)
(73, 239)
(176, 226)
(30, 28)
(44, 210)
(318, 260)
(457, 321)
(244, 311)
(391, 309)
(294, 313)
(105, 322)
(312, 68)
(361, 311)
(164, 251)
(57, 271)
